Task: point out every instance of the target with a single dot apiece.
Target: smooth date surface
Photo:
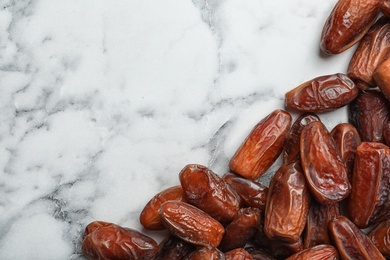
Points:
(380, 236)
(320, 252)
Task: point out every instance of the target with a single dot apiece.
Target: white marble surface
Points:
(104, 102)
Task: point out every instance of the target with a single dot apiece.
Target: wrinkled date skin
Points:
(369, 113)
(369, 202)
(385, 7)
(203, 253)
(263, 145)
(325, 172)
(252, 193)
(347, 24)
(386, 132)
(292, 148)
(380, 236)
(259, 254)
(322, 94)
(238, 254)
(373, 49)
(209, 192)
(316, 231)
(191, 224)
(174, 248)
(320, 252)
(287, 204)
(149, 216)
(107, 241)
(241, 229)
(351, 242)
(381, 77)
(347, 140)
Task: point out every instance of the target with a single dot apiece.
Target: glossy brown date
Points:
(263, 145)
(287, 204)
(316, 230)
(241, 229)
(203, 253)
(373, 49)
(369, 113)
(191, 224)
(174, 248)
(382, 78)
(319, 252)
(252, 193)
(322, 94)
(347, 140)
(369, 202)
(291, 150)
(347, 24)
(325, 172)
(107, 241)
(149, 216)
(380, 236)
(385, 7)
(351, 242)
(209, 192)
(238, 254)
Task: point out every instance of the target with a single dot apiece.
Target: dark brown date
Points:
(209, 192)
(291, 150)
(287, 204)
(149, 216)
(252, 193)
(259, 254)
(238, 254)
(347, 24)
(204, 253)
(316, 231)
(347, 140)
(174, 248)
(191, 224)
(263, 145)
(282, 250)
(322, 94)
(373, 49)
(369, 202)
(369, 113)
(380, 236)
(325, 172)
(351, 242)
(386, 133)
(107, 241)
(241, 229)
(385, 7)
(319, 252)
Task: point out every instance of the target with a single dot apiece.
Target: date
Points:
(380, 236)
(191, 224)
(322, 94)
(107, 241)
(382, 78)
(174, 248)
(325, 172)
(385, 7)
(238, 254)
(318, 252)
(263, 145)
(369, 202)
(206, 252)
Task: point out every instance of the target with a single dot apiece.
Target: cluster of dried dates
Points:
(298, 216)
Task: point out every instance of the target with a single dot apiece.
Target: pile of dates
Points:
(330, 199)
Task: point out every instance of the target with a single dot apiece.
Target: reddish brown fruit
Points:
(385, 7)
(319, 252)
(174, 248)
(203, 253)
(381, 77)
(238, 254)
(380, 236)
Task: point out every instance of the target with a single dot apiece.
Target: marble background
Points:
(102, 103)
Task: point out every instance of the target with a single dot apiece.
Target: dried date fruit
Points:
(325, 172)
(174, 248)
(203, 253)
(382, 78)
(373, 49)
(252, 193)
(369, 113)
(107, 241)
(347, 24)
(263, 145)
(149, 216)
(369, 202)
(351, 242)
(322, 94)
(319, 252)
(386, 133)
(385, 7)
(347, 140)
(292, 148)
(191, 224)
(209, 192)
(259, 254)
(380, 236)
(316, 230)
(238, 254)
(241, 229)
(287, 204)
